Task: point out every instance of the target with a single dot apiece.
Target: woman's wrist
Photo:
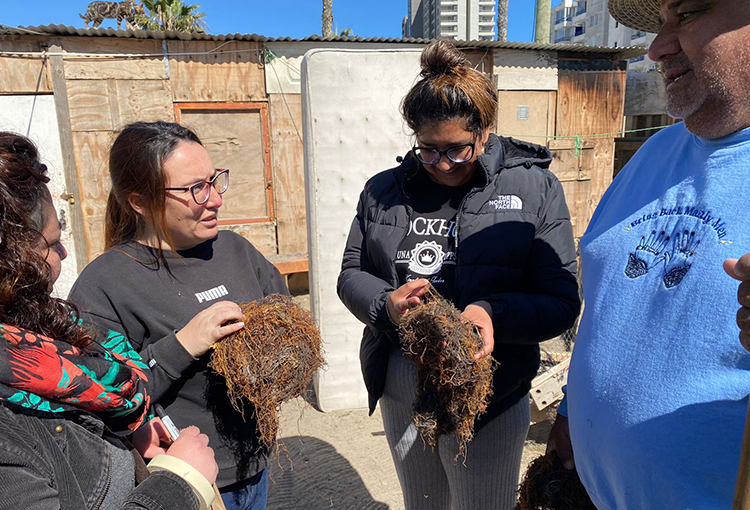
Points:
(202, 487)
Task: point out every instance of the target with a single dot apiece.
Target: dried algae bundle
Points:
(269, 361)
(453, 388)
(549, 486)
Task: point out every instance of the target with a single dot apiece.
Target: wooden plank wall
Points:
(24, 74)
(105, 94)
(590, 101)
(287, 159)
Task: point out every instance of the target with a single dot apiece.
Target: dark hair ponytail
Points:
(25, 275)
(449, 89)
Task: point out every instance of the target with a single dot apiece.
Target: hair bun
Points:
(441, 58)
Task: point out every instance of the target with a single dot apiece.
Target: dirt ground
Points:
(341, 459)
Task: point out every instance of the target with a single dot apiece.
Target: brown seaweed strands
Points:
(452, 387)
(269, 361)
(549, 486)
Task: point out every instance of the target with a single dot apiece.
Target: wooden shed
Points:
(241, 94)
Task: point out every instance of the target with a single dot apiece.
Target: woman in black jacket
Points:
(66, 400)
(484, 220)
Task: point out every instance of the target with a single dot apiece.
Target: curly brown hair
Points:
(25, 275)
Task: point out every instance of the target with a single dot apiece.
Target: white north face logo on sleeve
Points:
(507, 202)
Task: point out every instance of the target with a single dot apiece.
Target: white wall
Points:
(35, 117)
(352, 130)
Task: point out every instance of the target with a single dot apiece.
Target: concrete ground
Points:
(341, 459)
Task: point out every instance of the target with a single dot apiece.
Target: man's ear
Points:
(137, 203)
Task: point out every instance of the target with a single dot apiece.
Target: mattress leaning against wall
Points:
(352, 130)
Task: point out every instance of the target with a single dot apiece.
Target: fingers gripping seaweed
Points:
(453, 388)
(269, 361)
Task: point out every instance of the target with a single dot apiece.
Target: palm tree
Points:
(502, 20)
(327, 18)
(174, 15)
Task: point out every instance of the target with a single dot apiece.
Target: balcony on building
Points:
(637, 35)
(487, 9)
(579, 8)
(563, 18)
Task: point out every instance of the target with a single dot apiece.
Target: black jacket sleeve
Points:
(361, 291)
(549, 303)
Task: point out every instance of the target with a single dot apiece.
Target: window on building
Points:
(581, 9)
(580, 30)
(593, 20)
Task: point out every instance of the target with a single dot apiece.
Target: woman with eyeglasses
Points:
(69, 397)
(484, 221)
(171, 282)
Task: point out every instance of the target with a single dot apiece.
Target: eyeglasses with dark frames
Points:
(457, 154)
(202, 190)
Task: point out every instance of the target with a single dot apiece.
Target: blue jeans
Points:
(251, 496)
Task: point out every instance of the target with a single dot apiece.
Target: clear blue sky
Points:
(272, 18)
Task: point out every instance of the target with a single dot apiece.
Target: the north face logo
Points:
(507, 202)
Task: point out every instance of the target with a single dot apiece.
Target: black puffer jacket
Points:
(514, 249)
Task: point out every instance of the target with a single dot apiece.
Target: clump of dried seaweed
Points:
(270, 360)
(549, 486)
(453, 388)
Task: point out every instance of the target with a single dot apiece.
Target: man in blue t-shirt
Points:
(658, 387)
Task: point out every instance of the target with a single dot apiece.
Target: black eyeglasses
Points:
(457, 154)
(202, 190)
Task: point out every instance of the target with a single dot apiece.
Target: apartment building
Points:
(464, 20)
(589, 22)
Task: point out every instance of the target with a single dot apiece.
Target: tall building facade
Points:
(464, 20)
(589, 22)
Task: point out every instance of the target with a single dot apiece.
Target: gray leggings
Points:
(486, 480)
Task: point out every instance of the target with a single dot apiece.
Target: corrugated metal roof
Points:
(621, 53)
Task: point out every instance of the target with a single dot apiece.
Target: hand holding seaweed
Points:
(453, 387)
(270, 360)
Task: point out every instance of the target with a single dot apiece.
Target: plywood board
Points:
(89, 104)
(23, 74)
(262, 235)
(525, 70)
(590, 102)
(234, 140)
(91, 152)
(129, 66)
(142, 100)
(602, 160)
(201, 71)
(526, 115)
(352, 130)
(285, 112)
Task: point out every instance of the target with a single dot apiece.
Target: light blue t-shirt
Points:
(658, 384)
